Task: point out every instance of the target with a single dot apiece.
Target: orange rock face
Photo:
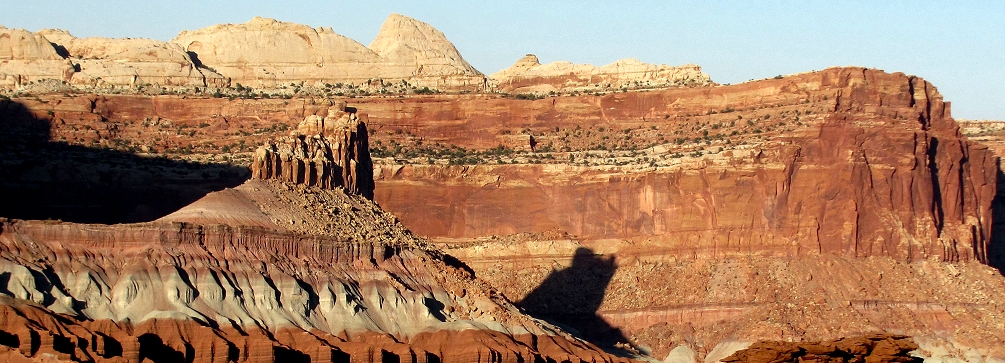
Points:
(336, 155)
(812, 207)
(883, 171)
(175, 291)
(876, 348)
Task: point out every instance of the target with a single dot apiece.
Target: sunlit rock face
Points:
(266, 53)
(529, 75)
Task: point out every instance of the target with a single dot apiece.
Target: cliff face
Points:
(880, 169)
(529, 75)
(229, 279)
(330, 152)
(813, 207)
(106, 62)
(267, 53)
(26, 57)
(97, 62)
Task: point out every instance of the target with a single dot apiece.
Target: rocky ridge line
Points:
(102, 63)
(529, 75)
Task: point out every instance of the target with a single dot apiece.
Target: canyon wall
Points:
(267, 53)
(327, 152)
(56, 55)
(880, 169)
(811, 207)
(529, 75)
(178, 291)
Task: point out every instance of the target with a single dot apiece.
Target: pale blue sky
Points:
(958, 46)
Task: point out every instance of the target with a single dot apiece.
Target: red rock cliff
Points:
(337, 284)
(879, 169)
(330, 152)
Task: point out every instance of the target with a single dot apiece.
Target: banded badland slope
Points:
(644, 209)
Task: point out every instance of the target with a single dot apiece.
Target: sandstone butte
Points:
(53, 54)
(685, 224)
(286, 267)
(849, 204)
(260, 53)
(269, 54)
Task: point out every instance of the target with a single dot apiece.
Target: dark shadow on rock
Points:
(996, 245)
(435, 308)
(153, 348)
(42, 179)
(571, 297)
(284, 354)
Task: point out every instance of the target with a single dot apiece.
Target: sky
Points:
(959, 46)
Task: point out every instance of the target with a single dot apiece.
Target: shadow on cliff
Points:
(996, 247)
(43, 179)
(571, 297)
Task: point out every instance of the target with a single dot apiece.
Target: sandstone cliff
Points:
(130, 61)
(866, 164)
(264, 272)
(267, 53)
(529, 75)
(813, 207)
(417, 49)
(97, 62)
(330, 152)
(406, 55)
(27, 57)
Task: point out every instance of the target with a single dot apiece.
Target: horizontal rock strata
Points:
(360, 289)
(875, 348)
(879, 169)
(54, 54)
(529, 75)
(267, 53)
(330, 152)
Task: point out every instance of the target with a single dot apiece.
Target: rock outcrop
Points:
(265, 272)
(268, 53)
(27, 57)
(327, 152)
(96, 62)
(874, 348)
(131, 62)
(873, 166)
(529, 75)
(407, 55)
(813, 207)
(424, 54)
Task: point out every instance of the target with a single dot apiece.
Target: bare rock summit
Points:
(267, 53)
(54, 54)
(416, 46)
(529, 75)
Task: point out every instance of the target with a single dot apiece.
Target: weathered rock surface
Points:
(97, 62)
(266, 53)
(329, 152)
(529, 75)
(879, 169)
(817, 206)
(131, 61)
(406, 55)
(424, 54)
(875, 348)
(260, 273)
(616, 290)
(27, 57)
